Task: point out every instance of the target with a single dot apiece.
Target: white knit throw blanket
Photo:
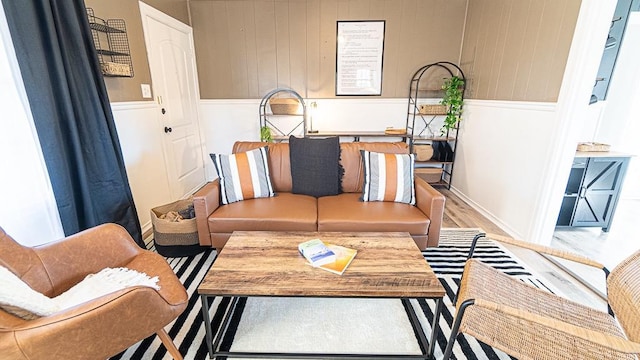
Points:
(19, 299)
(105, 282)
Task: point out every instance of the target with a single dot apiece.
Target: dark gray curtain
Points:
(72, 114)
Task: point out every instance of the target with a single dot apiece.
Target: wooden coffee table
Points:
(257, 263)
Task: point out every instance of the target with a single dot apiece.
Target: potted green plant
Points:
(265, 134)
(453, 88)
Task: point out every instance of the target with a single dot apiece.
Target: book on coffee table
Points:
(316, 252)
(344, 256)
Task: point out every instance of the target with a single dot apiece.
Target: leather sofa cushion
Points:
(284, 212)
(350, 159)
(345, 212)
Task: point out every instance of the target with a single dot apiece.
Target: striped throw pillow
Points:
(243, 176)
(388, 177)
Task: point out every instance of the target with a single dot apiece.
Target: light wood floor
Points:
(460, 215)
(608, 248)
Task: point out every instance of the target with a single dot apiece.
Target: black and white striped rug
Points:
(447, 260)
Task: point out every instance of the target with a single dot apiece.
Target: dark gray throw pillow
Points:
(315, 166)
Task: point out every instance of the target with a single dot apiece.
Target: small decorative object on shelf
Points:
(593, 146)
(442, 151)
(112, 45)
(284, 106)
(430, 175)
(265, 134)
(423, 152)
(115, 69)
(433, 109)
(392, 131)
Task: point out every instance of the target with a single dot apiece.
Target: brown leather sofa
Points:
(96, 329)
(294, 212)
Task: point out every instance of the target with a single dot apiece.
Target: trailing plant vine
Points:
(452, 99)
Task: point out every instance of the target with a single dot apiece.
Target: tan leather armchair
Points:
(100, 328)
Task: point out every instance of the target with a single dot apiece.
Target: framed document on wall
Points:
(359, 53)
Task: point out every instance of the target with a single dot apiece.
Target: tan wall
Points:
(128, 89)
(246, 48)
(517, 49)
(512, 50)
(177, 9)
(124, 88)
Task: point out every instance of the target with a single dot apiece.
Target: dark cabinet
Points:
(592, 191)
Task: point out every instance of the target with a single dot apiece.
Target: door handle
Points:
(583, 192)
(167, 129)
(163, 111)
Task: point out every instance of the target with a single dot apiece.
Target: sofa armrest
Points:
(205, 202)
(431, 203)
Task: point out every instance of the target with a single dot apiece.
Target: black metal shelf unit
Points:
(112, 45)
(423, 127)
(283, 125)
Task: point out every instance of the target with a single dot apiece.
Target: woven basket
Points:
(284, 106)
(115, 69)
(423, 152)
(175, 238)
(430, 175)
(593, 146)
(433, 109)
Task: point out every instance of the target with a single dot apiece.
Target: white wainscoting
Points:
(503, 151)
(503, 148)
(225, 121)
(140, 134)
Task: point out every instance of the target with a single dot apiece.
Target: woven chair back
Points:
(623, 287)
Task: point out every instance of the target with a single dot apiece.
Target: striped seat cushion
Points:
(243, 175)
(388, 177)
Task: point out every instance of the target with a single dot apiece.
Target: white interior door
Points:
(173, 73)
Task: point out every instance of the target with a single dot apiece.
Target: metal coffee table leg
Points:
(213, 344)
(435, 327)
(207, 323)
(426, 346)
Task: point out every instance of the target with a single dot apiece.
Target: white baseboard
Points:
(486, 214)
(147, 232)
(146, 227)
